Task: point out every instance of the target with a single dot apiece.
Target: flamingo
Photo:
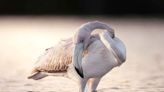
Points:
(87, 56)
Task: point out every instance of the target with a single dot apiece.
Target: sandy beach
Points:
(24, 39)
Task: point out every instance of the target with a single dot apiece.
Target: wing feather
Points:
(55, 59)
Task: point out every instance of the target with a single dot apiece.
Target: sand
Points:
(23, 39)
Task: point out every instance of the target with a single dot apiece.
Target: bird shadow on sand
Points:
(109, 89)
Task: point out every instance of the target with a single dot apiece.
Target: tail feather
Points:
(37, 75)
(40, 75)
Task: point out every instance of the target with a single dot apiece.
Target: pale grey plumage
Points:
(93, 56)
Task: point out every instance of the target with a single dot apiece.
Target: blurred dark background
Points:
(81, 7)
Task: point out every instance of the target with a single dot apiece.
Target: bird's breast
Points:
(98, 61)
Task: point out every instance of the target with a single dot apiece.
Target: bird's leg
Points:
(92, 84)
(82, 84)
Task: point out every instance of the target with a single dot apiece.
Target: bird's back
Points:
(55, 59)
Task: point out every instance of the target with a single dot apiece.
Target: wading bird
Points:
(87, 56)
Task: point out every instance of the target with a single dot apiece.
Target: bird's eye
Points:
(82, 41)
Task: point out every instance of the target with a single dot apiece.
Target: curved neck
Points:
(91, 26)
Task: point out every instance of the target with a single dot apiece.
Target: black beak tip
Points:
(80, 73)
(113, 36)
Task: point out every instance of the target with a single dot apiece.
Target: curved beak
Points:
(115, 46)
(77, 58)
